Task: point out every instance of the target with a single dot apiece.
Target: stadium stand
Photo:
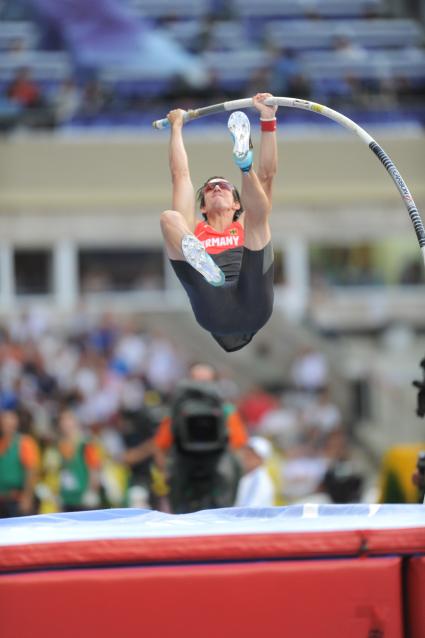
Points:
(313, 8)
(338, 51)
(373, 34)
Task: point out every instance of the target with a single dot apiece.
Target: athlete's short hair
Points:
(236, 197)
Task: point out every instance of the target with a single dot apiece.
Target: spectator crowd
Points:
(85, 421)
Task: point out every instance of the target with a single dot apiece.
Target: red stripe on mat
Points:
(212, 548)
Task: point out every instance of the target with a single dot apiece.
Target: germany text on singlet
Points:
(226, 248)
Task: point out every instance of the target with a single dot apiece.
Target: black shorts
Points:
(234, 312)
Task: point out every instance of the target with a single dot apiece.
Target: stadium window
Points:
(412, 272)
(33, 271)
(345, 265)
(279, 268)
(120, 269)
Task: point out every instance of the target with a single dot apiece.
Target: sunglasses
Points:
(221, 183)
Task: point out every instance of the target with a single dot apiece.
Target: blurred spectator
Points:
(320, 418)
(343, 482)
(282, 425)
(310, 467)
(19, 464)
(66, 102)
(164, 363)
(10, 114)
(268, 367)
(371, 10)
(114, 473)
(302, 476)
(418, 476)
(103, 335)
(309, 370)
(397, 467)
(204, 36)
(48, 486)
(286, 75)
(130, 350)
(104, 399)
(26, 94)
(94, 99)
(31, 324)
(80, 466)
(311, 9)
(138, 429)
(255, 488)
(255, 404)
(412, 273)
(200, 371)
(300, 87)
(352, 90)
(180, 94)
(225, 9)
(24, 90)
(346, 49)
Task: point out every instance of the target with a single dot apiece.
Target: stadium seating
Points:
(45, 65)
(376, 34)
(167, 8)
(299, 8)
(382, 64)
(238, 44)
(10, 31)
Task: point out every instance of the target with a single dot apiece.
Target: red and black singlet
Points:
(226, 247)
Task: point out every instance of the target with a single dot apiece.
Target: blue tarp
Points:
(101, 33)
(139, 523)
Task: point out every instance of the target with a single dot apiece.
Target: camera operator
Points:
(418, 477)
(195, 445)
(19, 467)
(420, 410)
(403, 465)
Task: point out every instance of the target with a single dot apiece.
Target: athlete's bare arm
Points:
(267, 165)
(183, 191)
(257, 187)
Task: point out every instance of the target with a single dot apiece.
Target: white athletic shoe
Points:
(196, 255)
(240, 130)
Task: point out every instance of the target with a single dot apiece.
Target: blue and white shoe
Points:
(196, 255)
(240, 130)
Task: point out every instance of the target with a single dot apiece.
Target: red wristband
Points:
(269, 125)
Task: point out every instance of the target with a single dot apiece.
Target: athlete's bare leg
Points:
(174, 227)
